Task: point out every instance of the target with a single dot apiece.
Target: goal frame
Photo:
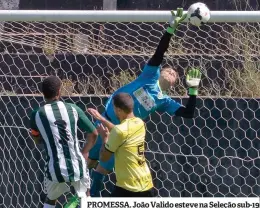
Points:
(118, 16)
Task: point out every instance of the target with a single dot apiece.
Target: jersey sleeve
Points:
(33, 127)
(169, 106)
(115, 140)
(83, 121)
(151, 71)
(150, 74)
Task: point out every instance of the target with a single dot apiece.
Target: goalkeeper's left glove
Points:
(193, 79)
(175, 20)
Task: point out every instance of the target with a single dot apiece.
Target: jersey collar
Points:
(52, 101)
(163, 92)
(127, 119)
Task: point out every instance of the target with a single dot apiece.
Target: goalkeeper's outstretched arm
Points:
(157, 58)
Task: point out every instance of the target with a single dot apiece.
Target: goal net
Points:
(214, 154)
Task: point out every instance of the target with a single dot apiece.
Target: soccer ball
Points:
(198, 14)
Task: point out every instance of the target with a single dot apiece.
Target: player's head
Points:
(123, 105)
(167, 78)
(51, 88)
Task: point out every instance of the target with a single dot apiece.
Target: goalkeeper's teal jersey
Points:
(57, 123)
(146, 94)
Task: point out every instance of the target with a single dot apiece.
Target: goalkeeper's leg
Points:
(93, 156)
(98, 173)
(98, 176)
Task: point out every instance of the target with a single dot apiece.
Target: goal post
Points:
(96, 52)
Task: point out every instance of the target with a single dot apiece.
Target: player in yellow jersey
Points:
(126, 142)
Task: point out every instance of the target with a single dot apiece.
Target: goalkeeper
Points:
(148, 92)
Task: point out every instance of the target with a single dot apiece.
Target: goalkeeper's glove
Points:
(175, 20)
(193, 80)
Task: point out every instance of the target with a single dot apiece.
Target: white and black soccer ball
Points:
(198, 14)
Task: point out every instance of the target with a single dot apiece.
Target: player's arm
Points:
(34, 131)
(188, 110)
(86, 125)
(151, 71)
(193, 79)
(173, 108)
(111, 141)
(100, 118)
(90, 142)
(163, 45)
(36, 136)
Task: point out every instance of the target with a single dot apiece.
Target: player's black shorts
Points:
(120, 192)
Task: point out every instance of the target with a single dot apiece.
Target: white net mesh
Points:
(215, 154)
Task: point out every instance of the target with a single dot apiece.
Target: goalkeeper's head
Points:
(51, 88)
(167, 78)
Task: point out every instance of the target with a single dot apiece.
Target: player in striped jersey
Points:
(56, 124)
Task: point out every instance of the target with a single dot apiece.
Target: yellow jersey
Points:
(126, 141)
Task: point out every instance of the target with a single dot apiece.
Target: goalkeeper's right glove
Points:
(176, 20)
(193, 79)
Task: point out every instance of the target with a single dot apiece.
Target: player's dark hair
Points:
(51, 86)
(124, 101)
